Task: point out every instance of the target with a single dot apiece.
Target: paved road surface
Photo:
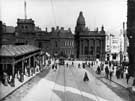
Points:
(66, 84)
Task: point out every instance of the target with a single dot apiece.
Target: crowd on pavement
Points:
(110, 71)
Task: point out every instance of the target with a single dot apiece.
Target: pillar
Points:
(80, 47)
(13, 75)
(94, 49)
(101, 52)
(22, 73)
(5, 76)
(29, 68)
(34, 64)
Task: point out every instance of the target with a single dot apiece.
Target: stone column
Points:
(13, 75)
(29, 67)
(5, 76)
(80, 47)
(94, 49)
(101, 52)
(34, 64)
(22, 74)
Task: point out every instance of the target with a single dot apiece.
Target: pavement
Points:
(121, 82)
(5, 91)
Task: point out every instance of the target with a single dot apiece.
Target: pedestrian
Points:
(133, 82)
(89, 64)
(102, 66)
(52, 66)
(85, 77)
(83, 64)
(122, 73)
(107, 71)
(111, 73)
(67, 64)
(72, 63)
(98, 70)
(55, 66)
(118, 73)
(127, 77)
(79, 65)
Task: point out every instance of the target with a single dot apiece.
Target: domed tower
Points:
(80, 26)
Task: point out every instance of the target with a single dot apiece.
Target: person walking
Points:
(107, 71)
(98, 70)
(127, 75)
(79, 65)
(67, 64)
(111, 73)
(85, 77)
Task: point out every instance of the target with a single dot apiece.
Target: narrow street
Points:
(66, 84)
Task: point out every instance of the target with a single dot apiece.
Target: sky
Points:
(64, 13)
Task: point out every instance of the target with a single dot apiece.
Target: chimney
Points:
(62, 28)
(57, 28)
(96, 30)
(46, 29)
(69, 29)
(52, 29)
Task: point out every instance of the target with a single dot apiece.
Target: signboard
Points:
(115, 45)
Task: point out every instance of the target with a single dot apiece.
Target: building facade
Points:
(131, 35)
(56, 42)
(89, 44)
(62, 42)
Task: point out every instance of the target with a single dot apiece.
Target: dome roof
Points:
(81, 19)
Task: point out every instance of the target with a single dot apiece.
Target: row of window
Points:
(68, 52)
(24, 27)
(69, 43)
(86, 50)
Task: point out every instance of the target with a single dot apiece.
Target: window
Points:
(56, 44)
(98, 49)
(40, 44)
(86, 50)
(26, 27)
(22, 27)
(91, 50)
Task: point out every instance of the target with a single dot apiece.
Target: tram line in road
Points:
(77, 85)
(93, 91)
(56, 77)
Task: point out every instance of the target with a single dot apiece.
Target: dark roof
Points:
(81, 19)
(12, 50)
(66, 34)
(92, 33)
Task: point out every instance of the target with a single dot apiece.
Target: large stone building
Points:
(89, 44)
(57, 42)
(131, 35)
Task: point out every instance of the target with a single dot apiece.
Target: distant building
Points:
(7, 35)
(25, 33)
(62, 42)
(89, 44)
(57, 42)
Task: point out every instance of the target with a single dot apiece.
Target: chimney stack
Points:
(46, 29)
(53, 29)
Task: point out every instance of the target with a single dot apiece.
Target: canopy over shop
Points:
(19, 60)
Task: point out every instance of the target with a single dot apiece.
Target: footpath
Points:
(8, 90)
(122, 81)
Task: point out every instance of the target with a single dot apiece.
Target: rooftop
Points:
(13, 50)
